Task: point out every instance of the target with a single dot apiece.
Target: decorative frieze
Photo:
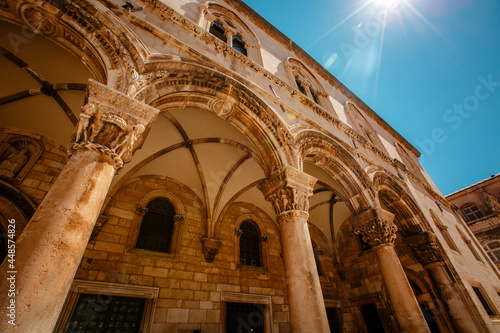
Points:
(288, 189)
(425, 247)
(112, 123)
(210, 248)
(375, 227)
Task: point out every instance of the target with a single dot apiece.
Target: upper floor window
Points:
(157, 226)
(226, 25)
(250, 252)
(306, 83)
(493, 250)
(471, 212)
(239, 45)
(217, 29)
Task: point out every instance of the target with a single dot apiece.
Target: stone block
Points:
(177, 315)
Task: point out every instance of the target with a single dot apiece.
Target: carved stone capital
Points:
(179, 217)
(141, 210)
(238, 232)
(425, 247)
(288, 189)
(210, 248)
(112, 123)
(375, 227)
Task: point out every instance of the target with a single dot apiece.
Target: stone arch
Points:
(325, 152)
(105, 45)
(182, 84)
(408, 217)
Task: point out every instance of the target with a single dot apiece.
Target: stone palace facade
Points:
(182, 166)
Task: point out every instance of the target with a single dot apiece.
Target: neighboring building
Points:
(218, 179)
(479, 207)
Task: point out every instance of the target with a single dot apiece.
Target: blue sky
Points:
(430, 68)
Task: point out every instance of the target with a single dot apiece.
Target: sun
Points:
(388, 4)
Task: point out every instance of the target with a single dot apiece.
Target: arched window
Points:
(471, 212)
(250, 253)
(217, 29)
(157, 226)
(316, 252)
(493, 250)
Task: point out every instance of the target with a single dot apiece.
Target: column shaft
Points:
(288, 190)
(307, 307)
(53, 243)
(403, 300)
(112, 126)
(458, 312)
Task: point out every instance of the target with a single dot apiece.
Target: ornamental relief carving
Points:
(288, 189)
(378, 231)
(425, 247)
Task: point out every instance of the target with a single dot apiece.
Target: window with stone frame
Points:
(93, 306)
(484, 302)
(157, 227)
(250, 247)
(106, 313)
(217, 29)
(471, 212)
(305, 86)
(223, 29)
(492, 248)
(245, 317)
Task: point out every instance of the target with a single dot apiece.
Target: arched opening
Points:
(157, 227)
(250, 250)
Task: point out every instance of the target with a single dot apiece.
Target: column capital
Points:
(288, 189)
(375, 226)
(112, 123)
(426, 247)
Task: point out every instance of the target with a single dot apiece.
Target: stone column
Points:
(111, 127)
(378, 230)
(288, 190)
(428, 252)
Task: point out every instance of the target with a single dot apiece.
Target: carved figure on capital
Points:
(378, 231)
(112, 124)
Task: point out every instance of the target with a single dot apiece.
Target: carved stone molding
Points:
(210, 248)
(375, 227)
(112, 123)
(288, 189)
(425, 247)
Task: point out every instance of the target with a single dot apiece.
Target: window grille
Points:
(106, 313)
(157, 226)
(250, 244)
